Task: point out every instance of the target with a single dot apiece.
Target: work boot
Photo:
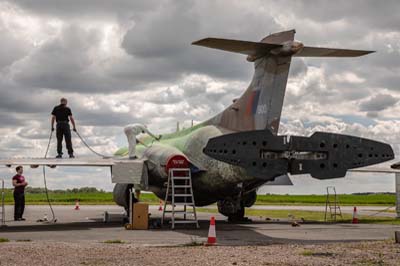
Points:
(59, 156)
(71, 156)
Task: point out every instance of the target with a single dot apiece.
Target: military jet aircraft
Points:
(238, 150)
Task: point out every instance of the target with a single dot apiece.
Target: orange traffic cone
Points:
(77, 205)
(212, 237)
(355, 219)
(160, 206)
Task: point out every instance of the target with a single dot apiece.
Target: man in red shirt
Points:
(19, 184)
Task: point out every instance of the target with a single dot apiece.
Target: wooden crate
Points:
(140, 216)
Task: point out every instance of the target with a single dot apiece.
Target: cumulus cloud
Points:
(378, 102)
(124, 61)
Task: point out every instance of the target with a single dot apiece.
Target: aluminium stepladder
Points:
(332, 203)
(179, 195)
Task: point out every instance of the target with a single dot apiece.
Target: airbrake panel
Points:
(322, 155)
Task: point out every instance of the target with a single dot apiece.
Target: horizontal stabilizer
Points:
(329, 52)
(242, 47)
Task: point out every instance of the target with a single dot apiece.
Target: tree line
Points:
(39, 190)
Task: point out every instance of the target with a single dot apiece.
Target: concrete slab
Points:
(86, 225)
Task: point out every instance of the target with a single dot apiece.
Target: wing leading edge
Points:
(88, 162)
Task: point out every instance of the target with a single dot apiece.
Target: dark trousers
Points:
(64, 131)
(19, 199)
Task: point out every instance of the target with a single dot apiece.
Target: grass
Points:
(4, 240)
(69, 198)
(308, 252)
(115, 241)
(24, 240)
(99, 198)
(344, 199)
(194, 242)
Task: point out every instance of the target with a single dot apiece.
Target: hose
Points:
(44, 169)
(90, 148)
(45, 181)
(380, 211)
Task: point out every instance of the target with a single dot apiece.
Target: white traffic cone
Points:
(355, 219)
(160, 207)
(212, 237)
(77, 208)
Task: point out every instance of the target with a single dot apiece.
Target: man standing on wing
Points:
(62, 115)
(19, 184)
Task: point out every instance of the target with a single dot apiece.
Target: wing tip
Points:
(365, 52)
(201, 41)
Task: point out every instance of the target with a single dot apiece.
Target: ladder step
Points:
(189, 203)
(184, 203)
(186, 222)
(183, 195)
(187, 212)
(181, 178)
(182, 186)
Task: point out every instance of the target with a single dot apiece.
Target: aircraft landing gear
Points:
(238, 216)
(233, 209)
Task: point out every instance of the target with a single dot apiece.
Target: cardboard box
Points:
(140, 216)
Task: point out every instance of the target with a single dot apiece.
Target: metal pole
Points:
(326, 203)
(334, 191)
(3, 213)
(397, 175)
(130, 207)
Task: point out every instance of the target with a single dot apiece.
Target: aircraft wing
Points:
(384, 170)
(35, 162)
(122, 170)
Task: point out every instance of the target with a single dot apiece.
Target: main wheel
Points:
(232, 208)
(237, 216)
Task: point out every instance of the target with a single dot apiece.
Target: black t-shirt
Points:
(61, 112)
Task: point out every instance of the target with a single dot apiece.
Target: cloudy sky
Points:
(126, 61)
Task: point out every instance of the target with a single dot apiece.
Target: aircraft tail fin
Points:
(260, 106)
